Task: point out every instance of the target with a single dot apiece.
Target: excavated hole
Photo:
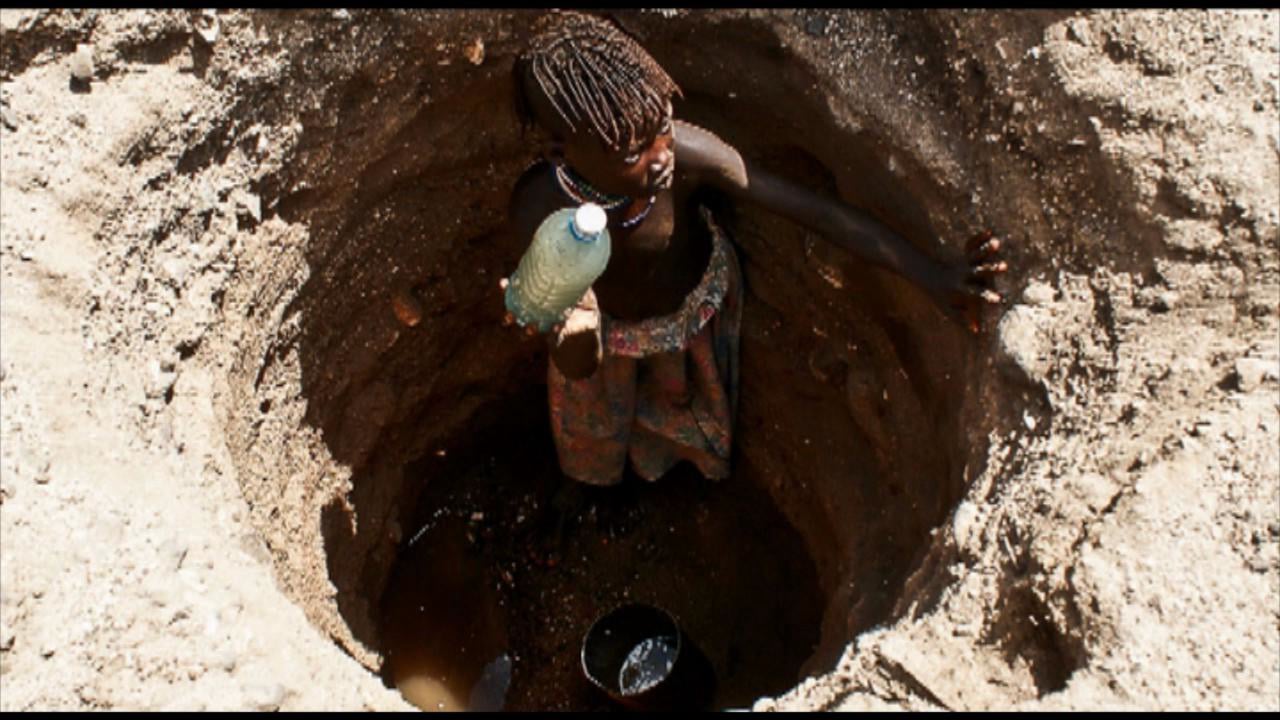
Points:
(850, 446)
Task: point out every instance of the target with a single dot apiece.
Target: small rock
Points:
(176, 269)
(1252, 372)
(475, 52)
(225, 659)
(250, 203)
(158, 309)
(1038, 293)
(1164, 301)
(1095, 490)
(264, 697)
(82, 63)
(7, 637)
(7, 120)
(962, 523)
(407, 309)
(1022, 340)
(160, 379)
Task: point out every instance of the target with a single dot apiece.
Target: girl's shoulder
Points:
(706, 158)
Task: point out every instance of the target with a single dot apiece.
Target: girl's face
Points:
(640, 170)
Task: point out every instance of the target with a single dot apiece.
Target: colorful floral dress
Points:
(666, 389)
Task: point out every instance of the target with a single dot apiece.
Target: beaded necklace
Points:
(581, 191)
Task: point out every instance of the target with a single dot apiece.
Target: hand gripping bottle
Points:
(569, 251)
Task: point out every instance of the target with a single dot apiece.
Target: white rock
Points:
(225, 659)
(175, 268)
(160, 379)
(962, 522)
(1038, 293)
(250, 203)
(1023, 342)
(1252, 372)
(82, 62)
(1094, 489)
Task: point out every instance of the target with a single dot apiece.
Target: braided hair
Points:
(595, 76)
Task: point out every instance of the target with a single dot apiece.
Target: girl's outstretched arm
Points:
(959, 289)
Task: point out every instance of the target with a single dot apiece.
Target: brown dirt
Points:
(718, 556)
(217, 437)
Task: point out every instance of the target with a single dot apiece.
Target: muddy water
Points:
(443, 631)
(480, 582)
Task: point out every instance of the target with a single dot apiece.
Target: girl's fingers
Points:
(977, 241)
(991, 268)
(991, 296)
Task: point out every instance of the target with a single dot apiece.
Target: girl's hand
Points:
(967, 289)
(508, 319)
(576, 343)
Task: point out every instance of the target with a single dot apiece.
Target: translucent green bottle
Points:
(569, 251)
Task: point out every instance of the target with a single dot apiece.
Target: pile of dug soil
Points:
(218, 441)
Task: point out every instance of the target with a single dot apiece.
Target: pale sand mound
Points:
(207, 405)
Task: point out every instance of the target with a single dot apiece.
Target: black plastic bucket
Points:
(640, 658)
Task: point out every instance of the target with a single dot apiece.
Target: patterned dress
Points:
(666, 389)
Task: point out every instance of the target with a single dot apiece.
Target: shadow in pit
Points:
(852, 391)
(415, 214)
(718, 556)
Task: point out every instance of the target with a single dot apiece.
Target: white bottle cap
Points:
(590, 219)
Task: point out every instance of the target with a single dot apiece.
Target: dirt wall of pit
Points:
(1098, 473)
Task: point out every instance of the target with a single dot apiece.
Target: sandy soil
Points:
(166, 494)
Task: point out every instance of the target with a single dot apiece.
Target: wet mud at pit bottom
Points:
(479, 578)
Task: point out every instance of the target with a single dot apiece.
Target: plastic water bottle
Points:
(569, 251)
